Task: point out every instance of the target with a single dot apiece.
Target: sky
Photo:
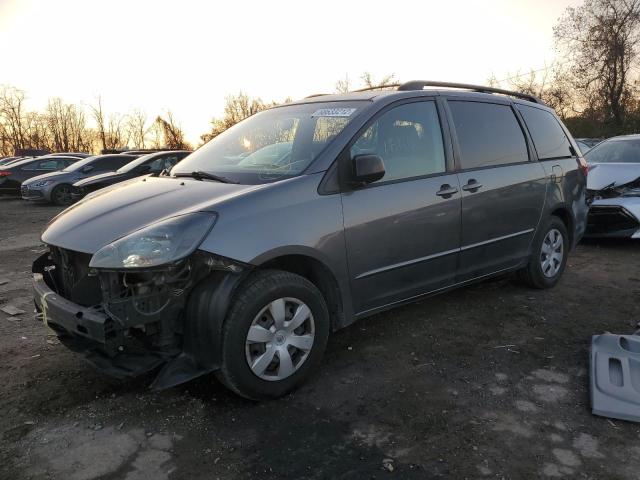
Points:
(187, 55)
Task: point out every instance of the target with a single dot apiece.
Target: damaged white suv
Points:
(613, 187)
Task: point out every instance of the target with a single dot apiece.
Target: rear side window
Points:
(48, 165)
(111, 163)
(488, 134)
(547, 134)
(408, 139)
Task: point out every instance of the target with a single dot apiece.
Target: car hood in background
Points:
(108, 215)
(103, 177)
(602, 175)
(47, 176)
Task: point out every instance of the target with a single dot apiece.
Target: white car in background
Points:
(613, 187)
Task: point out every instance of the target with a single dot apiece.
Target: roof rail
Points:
(420, 84)
(316, 95)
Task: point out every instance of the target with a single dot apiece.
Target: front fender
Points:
(202, 337)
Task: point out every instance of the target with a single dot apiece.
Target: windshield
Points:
(79, 164)
(274, 144)
(615, 151)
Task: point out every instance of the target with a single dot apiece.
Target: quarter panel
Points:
(569, 193)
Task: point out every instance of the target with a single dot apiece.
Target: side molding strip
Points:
(440, 254)
(511, 235)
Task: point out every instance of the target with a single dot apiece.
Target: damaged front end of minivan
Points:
(614, 196)
(133, 306)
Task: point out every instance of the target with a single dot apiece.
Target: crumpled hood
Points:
(101, 177)
(114, 212)
(602, 175)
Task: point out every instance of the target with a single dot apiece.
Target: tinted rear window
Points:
(111, 163)
(547, 134)
(488, 134)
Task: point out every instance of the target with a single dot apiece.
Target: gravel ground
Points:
(486, 381)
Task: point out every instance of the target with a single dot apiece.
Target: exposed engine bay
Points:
(125, 322)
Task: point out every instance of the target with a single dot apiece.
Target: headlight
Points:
(42, 183)
(157, 244)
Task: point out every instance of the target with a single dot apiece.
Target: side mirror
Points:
(367, 168)
(87, 168)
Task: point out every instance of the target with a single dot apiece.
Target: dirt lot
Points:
(490, 380)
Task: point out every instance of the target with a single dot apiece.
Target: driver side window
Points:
(408, 139)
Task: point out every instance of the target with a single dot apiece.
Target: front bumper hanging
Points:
(135, 327)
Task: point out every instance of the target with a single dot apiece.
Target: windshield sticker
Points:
(333, 112)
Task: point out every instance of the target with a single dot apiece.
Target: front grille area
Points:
(25, 192)
(72, 278)
(604, 219)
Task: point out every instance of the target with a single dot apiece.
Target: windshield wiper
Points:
(200, 175)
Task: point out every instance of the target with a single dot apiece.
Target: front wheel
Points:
(549, 255)
(274, 335)
(61, 195)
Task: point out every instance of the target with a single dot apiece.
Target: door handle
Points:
(472, 186)
(446, 191)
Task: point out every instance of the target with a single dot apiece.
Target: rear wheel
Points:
(61, 195)
(549, 255)
(274, 335)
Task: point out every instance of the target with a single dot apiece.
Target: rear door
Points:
(503, 187)
(403, 231)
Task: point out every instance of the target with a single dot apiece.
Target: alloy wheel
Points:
(62, 195)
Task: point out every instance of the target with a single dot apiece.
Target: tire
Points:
(258, 302)
(538, 273)
(61, 195)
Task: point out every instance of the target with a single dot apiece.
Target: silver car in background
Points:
(56, 187)
(613, 188)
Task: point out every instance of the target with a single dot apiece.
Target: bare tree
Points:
(98, 117)
(37, 134)
(157, 135)
(172, 133)
(137, 128)
(111, 130)
(237, 108)
(67, 127)
(116, 135)
(343, 85)
(12, 116)
(599, 41)
(386, 81)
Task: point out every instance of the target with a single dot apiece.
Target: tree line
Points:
(66, 127)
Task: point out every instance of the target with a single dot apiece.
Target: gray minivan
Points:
(304, 218)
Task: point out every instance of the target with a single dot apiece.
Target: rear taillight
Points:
(4, 173)
(584, 166)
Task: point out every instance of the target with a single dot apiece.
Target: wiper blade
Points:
(200, 175)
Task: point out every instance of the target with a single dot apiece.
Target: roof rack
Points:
(316, 95)
(420, 84)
